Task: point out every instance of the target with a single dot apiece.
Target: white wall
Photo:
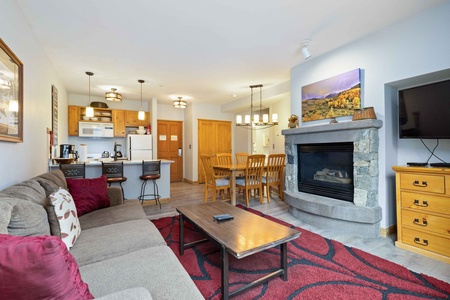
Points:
(416, 46)
(21, 161)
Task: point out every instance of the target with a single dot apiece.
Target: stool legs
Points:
(155, 195)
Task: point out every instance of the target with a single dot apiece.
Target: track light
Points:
(305, 50)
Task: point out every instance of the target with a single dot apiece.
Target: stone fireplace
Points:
(359, 214)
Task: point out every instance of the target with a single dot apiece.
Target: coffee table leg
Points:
(225, 266)
(181, 235)
(283, 253)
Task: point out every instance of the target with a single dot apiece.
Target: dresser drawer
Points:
(423, 183)
(426, 241)
(424, 202)
(427, 222)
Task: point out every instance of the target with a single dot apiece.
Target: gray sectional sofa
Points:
(120, 253)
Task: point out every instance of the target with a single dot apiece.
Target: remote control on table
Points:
(223, 217)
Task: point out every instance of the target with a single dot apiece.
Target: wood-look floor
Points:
(184, 194)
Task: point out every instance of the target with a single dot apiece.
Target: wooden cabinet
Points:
(131, 119)
(423, 211)
(120, 118)
(119, 123)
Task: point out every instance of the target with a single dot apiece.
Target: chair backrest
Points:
(254, 169)
(224, 158)
(241, 158)
(151, 167)
(275, 166)
(208, 169)
(73, 170)
(112, 169)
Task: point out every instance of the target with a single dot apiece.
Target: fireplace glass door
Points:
(326, 170)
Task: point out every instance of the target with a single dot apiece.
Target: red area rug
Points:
(319, 268)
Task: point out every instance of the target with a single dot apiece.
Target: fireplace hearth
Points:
(345, 159)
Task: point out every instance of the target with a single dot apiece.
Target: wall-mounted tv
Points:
(424, 111)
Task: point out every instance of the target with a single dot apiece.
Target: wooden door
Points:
(213, 137)
(170, 142)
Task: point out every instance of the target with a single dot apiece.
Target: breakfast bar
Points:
(132, 170)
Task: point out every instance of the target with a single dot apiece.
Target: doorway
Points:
(170, 146)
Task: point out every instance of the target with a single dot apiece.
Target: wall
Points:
(30, 158)
(416, 46)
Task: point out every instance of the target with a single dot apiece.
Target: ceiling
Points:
(203, 50)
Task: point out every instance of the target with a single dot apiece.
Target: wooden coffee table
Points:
(245, 235)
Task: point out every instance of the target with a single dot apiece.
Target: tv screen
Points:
(424, 111)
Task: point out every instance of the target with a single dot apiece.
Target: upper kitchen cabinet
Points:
(131, 119)
(119, 123)
(74, 118)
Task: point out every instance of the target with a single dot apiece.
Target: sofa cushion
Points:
(39, 266)
(5, 216)
(66, 214)
(27, 218)
(52, 181)
(157, 269)
(29, 190)
(100, 243)
(89, 193)
(130, 210)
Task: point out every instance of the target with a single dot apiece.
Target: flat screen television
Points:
(424, 111)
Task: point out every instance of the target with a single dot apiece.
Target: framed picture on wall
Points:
(11, 95)
(55, 115)
(333, 97)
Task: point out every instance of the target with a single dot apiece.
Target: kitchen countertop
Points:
(98, 162)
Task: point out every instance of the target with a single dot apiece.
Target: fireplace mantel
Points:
(364, 215)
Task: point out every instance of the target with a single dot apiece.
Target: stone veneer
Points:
(363, 216)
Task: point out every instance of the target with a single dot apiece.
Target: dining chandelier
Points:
(113, 96)
(179, 103)
(260, 120)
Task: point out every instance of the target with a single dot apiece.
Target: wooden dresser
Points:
(423, 210)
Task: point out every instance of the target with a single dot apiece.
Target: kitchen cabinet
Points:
(74, 118)
(423, 211)
(131, 119)
(119, 123)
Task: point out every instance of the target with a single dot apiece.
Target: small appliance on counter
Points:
(139, 147)
(66, 151)
(117, 151)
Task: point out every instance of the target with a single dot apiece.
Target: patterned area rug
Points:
(319, 268)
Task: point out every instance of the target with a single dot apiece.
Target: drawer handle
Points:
(424, 222)
(424, 203)
(417, 241)
(416, 183)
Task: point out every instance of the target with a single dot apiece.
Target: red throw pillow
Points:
(89, 194)
(39, 267)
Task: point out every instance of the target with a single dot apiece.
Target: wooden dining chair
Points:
(213, 181)
(252, 179)
(274, 174)
(241, 158)
(223, 159)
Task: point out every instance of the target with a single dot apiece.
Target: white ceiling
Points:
(202, 50)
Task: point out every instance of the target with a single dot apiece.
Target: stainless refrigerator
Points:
(139, 147)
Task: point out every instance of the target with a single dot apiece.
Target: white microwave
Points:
(91, 129)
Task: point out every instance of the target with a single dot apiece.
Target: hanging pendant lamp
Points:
(141, 113)
(89, 109)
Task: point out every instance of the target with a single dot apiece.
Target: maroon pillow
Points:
(89, 194)
(39, 267)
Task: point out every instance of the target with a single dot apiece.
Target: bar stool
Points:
(151, 170)
(73, 170)
(114, 173)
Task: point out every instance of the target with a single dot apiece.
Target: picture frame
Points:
(11, 95)
(55, 115)
(333, 97)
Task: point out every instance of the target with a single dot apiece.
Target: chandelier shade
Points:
(257, 118)
(113, 96)
(179, 103)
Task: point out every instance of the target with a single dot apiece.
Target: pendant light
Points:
(89, 109)
(141, 113)
(113, 96)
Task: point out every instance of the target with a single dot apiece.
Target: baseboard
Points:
(386, 232)
(190, 181)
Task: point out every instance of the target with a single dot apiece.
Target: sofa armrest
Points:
(115, 195)
(138, 293)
